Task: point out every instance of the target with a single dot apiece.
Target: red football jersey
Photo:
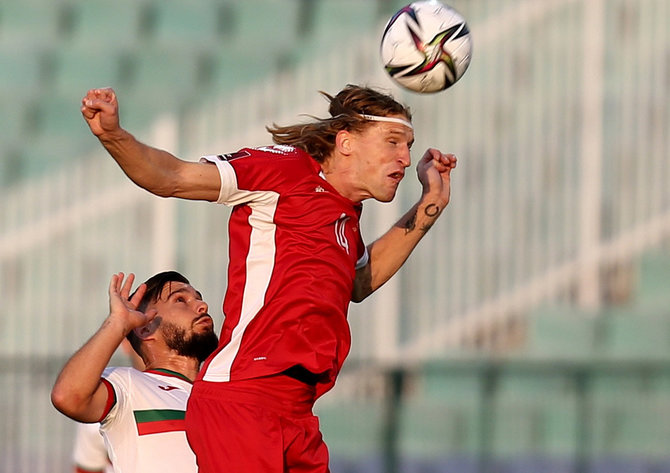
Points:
(295, 244)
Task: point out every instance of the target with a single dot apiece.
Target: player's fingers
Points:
(115, 283)
(112, 283)
(431, 154)
(448, 160)
(127, 285)
(88, 112)
(96, 104)
(138, 295)
(109, 95)
(104, 93)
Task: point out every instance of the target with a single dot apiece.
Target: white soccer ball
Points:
(426, 46)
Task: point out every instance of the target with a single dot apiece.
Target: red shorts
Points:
(263, 425)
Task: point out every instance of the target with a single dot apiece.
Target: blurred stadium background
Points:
(530, 331)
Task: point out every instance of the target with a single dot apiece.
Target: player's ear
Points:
(343, 142)
(146, 331)
(142, 332)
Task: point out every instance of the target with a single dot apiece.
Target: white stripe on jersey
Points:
(259, 267)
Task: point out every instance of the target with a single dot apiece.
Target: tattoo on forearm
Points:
(410, 224)
(426, 227)
(431, 210)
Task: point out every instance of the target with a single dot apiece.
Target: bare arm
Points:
(155, 170)
(78, 392)
(391, 250)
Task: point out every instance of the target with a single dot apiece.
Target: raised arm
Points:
(78, 391)
(155, 170)
(391, 250)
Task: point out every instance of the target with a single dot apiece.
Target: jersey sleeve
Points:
(258, 175)
(117, 381)
(365, 257)
(228, 180)
(245, 176)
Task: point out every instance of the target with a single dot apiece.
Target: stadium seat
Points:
(42, 157)
(559, 332)
(632, 335)
(335, 18)
(58, 134)
(25, 24)
(13, 118)
(628, 418)
(59, 117)
(330, 23)
(10, 164)
(24, 71)
(169, 77)
(227, 69)
(353, 433)
(187, 24)
(262, 34)
(254, 45)
(439, 435)
(15, 134)
(78, 69)
(654, 274)
(535, 415)
(108, 25)
(440, 425)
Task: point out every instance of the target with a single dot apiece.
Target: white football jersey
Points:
(89, 452)
(144, 425)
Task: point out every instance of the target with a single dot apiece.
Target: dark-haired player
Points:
(141, 413)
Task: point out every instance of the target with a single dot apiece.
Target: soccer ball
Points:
(426, 46)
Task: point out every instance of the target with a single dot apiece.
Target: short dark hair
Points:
(155, 285)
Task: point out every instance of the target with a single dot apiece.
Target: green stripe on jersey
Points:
(154, 415)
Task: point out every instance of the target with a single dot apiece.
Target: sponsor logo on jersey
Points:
(168, 388)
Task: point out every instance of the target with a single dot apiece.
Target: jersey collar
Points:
(170, 373)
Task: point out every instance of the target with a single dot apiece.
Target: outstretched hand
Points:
(101, 111)
(123, 308)
(434, 172)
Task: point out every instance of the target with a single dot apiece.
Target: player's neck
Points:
(341, 177)
(185, 366)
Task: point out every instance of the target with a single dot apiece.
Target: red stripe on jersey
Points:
(111, 398)
(160, 426)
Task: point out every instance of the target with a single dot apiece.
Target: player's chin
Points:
(386, 196)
